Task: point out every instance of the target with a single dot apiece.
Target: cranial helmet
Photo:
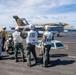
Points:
(31, 26)
(10, 38)
(4, 27)
(47, 28)
(17, 28)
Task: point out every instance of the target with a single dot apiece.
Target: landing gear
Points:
(58, 35)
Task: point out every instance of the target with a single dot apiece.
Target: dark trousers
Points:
(30, 48)
(46, 57)
(3, 44)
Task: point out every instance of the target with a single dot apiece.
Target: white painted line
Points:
(72, 56)
(70, 42)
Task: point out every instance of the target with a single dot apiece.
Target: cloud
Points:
(37, 11)
(32, 2)
(32, 6)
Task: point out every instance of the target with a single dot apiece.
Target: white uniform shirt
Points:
(48, 39)
(31, 37)
(16, 37)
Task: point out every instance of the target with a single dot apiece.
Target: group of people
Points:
(31, 39)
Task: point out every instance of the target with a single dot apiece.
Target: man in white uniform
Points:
(31, 39)
(46, 42)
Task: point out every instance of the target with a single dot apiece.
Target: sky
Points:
(38, 11)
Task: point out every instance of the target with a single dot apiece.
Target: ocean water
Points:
(10, 31)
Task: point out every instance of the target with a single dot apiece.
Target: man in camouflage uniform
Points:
(18, 43)
(31, 38)
(46, 42)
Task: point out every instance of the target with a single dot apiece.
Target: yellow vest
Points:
(4, 34)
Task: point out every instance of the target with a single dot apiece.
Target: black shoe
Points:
(12, 52)
(36, 62)
(3, 49)
(16, 60)
(44, 66)
(7, 52)
(29, 65)
(40, 54)
(23, 60)
(1, 58)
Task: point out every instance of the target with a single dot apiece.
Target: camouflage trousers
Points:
(18, 47)
(30, 48)
(46, 57)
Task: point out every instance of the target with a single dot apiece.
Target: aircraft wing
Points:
(53, 24)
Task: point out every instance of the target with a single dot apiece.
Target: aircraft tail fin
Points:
(20, 22)
(25, 21)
